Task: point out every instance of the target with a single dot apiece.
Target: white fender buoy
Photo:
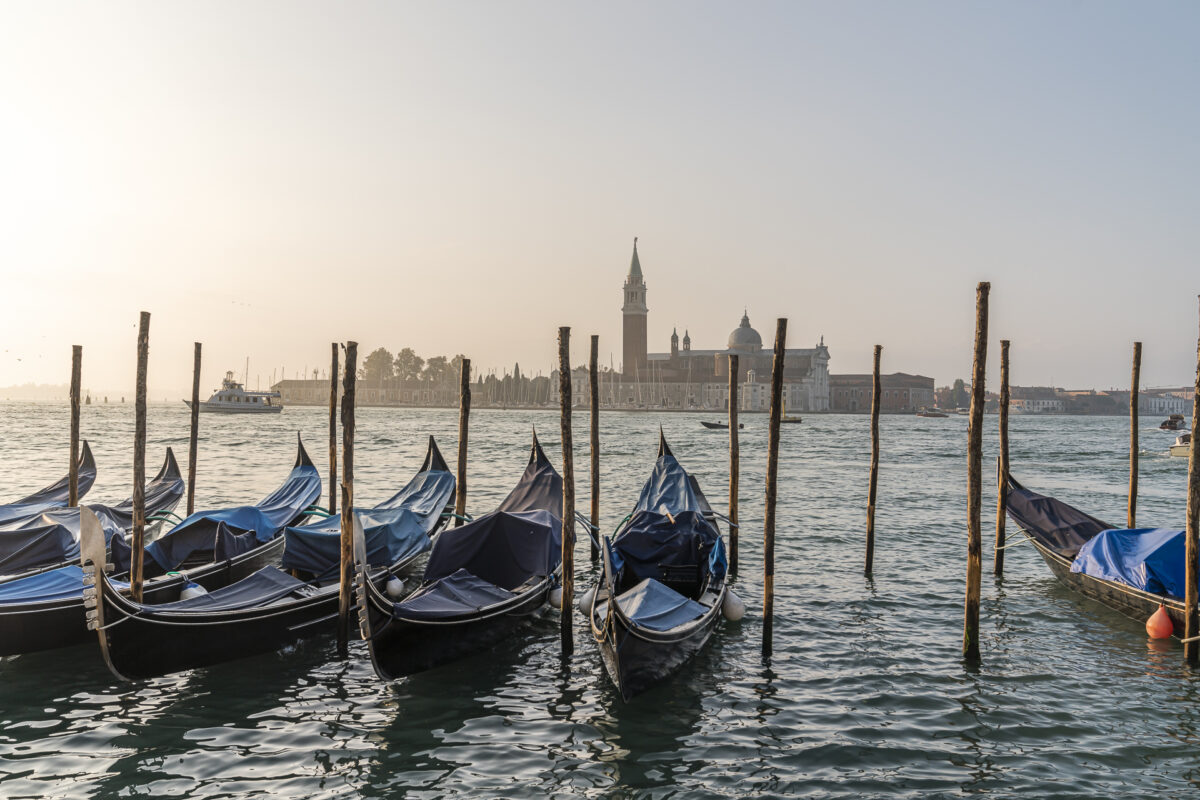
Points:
(556, 597)
(191, 590)
(584, 603)
(394, 587)
(732, 607)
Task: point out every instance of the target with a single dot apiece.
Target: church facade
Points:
(683, 377)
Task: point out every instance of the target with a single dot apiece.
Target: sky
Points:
(465, 177)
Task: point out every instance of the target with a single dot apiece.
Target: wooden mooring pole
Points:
(974, 478)
(346, 587)
(734, 464)
(464, 415)
(772, 488)
(874, 481)
(1133, 434)
(568, 482)
(1002, 487)
(333, 399)
(73, 470)
(139, 461)
(594, 391)
(1191, 649)
(194, 433)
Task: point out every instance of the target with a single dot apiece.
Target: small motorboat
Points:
(1173, 423)
(719, 426)
(1182, 446)
(932, 412)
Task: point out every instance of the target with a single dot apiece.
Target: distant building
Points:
(900, 392)
(1036, 400)
(687, 378)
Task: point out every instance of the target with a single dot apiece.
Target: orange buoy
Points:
(1159, 626)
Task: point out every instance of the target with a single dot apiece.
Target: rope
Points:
(1025, 540)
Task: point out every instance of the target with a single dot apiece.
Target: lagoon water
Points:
(866, 694)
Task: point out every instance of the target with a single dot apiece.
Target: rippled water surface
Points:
(866, 694)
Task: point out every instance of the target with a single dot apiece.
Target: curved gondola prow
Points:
(433, 459)
(663, 448)
(169, 470)
(57, 493)
(302, 459)
(93, 559)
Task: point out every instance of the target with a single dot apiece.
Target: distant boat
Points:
(232, 398)
(1173, 423)
(1182, 446)
(932, 412)
(784, 416)
(719, 426)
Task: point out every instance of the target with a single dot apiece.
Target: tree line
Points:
(382, 367)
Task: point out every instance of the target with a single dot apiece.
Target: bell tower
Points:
(633, 340)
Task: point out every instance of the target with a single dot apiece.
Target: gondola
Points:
(719, 426)
(666, 567)
(1059, 531)
(270, 608)
(56, 494)
(210, 548)
(50, 538)
(482, 581)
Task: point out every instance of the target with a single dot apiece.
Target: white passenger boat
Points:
(232, 398)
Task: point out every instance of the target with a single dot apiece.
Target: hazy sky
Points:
(467, 176)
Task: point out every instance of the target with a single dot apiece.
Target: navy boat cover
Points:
(1055, 524)
(454, 595)
(668, 527)
(395, 529)
(64, 583)
(264, 521)
(652, 605)
(261, 588)
(505, 549)
(1150, 559)
(52, 535)
(540, 487)
(59, 492)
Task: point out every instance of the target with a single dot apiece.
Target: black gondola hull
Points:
(636, 659)
(31, 627)
(405, 647)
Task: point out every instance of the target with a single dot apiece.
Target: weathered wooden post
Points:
(568, 478)
(464, 414)
(1002, 490)
(1191, 648)
(974, 469)
(1133, 434)
(194, 434)
(333, 382)
(346, 588)
(772, 489)
(73, 470)
(734, 464)
(871, 487)
(139, 460)
(594, 390)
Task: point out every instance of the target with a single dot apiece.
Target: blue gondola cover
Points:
(1150, 559)
(502, 548)
(452, 596)
(652, 605)
(262, 588)
(64, 583)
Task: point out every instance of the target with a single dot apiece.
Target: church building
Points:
(686, 378)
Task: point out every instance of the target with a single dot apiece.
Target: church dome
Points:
(744, 337)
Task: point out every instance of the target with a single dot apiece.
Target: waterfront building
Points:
(900, 392)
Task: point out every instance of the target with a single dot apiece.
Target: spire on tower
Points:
(635, 266)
